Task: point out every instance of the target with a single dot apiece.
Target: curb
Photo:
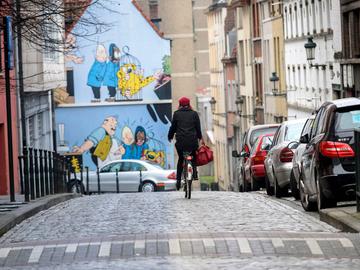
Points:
(340, 220)
(11, 219)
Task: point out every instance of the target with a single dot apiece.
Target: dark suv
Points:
(328, 163)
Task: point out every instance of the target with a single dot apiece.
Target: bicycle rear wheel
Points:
(189, 182)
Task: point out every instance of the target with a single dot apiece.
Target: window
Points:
(242, 62)
(111, 168)
(293, 131)
(132, 167)
(347, 120)
(240, 17)
(315, 127)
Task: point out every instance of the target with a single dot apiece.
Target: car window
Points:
(276, 137)
(132, 167)
(256, 143)
(266, 142)
(316, 123)
(111, 167)
(293, 131)
(307, 127)
(347, 120)
(258, 132)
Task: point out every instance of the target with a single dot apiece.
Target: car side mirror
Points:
(244, 154)
(235, 154)
(304, 138)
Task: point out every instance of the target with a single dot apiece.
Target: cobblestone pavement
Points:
(246, 228)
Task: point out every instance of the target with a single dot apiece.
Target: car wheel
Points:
(269, 188)
(293, 186)
(76, 187)
(254, 184)
(304, 198)
(148, 187)
(322, 201)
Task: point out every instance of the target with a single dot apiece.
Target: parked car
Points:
(154, 178)
(254, 165)
(278, 163)
(296, 170)
(249, 139)
(328, 163)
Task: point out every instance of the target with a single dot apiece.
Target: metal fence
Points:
(42, 173)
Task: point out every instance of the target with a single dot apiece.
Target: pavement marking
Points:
(71, 248)
(277, 242)
(314, 247)
(244, 245)
(36, 254)
(174, 247)
(208, 242)
(139, 244)
(104, 250)
(4, 252)
(346, 242)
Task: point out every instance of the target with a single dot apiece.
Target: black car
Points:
(328, 162)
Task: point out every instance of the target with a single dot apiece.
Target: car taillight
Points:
(336, 149)
(286, 155)
(172, 176)
(258, 158)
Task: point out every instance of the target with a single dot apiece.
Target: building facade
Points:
(4, 142)
(217, 14)
(273, 61)
(349, 56)
(310, 83)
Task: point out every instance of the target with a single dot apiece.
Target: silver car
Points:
(278, 163)
(296, 170)
(134, 176)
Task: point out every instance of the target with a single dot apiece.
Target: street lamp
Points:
(310, 53)
(239, 102)
(212, 104)
(274, 79)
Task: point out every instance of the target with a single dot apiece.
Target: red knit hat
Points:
(184, 101)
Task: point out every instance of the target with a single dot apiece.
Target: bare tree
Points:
(45, 23)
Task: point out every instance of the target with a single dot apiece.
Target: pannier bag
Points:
(204, 155)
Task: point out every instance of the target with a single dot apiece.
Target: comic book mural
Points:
(113, 133)
(128, 61)
(117, 104)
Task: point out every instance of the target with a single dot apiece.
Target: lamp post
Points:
(239, 102)
(310, 46)
(274, 79)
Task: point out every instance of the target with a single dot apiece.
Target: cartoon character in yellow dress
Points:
(132, 80)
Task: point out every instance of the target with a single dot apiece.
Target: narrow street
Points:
(165, 231)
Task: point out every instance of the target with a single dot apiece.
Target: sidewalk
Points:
(345, 218)
(12, 213)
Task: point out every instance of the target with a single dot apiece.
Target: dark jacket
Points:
(186, 125)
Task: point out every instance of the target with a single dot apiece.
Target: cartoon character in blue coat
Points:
(97, 72)
(112, 67)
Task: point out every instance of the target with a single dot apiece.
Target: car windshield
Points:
(293, 131)
(258, 132)
(347, 120)
(267, 142)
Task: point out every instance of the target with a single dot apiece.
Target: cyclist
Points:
(186, 125)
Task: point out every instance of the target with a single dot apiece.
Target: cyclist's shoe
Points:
(178, 184)
(195, 178)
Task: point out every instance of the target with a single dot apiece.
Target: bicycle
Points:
(188, 174)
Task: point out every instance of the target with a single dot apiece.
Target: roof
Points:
(85, 3)
(161, 34)
(345, 102)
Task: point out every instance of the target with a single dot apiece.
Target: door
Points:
(108, 177)
(308, 157)
(129, 176)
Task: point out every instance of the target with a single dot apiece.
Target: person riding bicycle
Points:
(186, 125)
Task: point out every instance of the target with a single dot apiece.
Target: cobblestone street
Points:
(165, 231)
